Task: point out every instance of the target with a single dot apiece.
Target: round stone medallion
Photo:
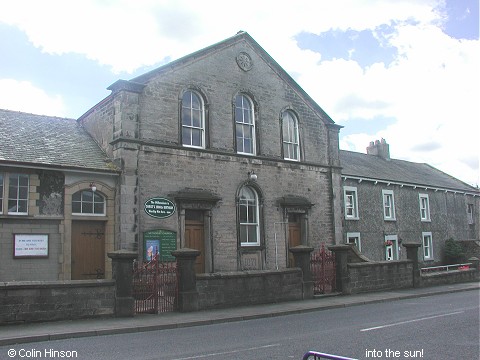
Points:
(244, 61)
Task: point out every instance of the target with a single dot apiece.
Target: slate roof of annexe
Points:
(375, 168)
(29, 139)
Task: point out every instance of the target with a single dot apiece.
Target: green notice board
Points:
(163, 241)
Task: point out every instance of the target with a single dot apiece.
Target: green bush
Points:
(454, 253)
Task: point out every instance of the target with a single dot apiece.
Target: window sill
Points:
(352, 218)
(90, 217)
(15, 216)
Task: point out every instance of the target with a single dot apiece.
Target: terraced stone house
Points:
(389, 201)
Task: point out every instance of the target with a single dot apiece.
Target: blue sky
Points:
(405, 70)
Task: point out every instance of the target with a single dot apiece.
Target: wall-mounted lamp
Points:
(252, 175)
(93, 187)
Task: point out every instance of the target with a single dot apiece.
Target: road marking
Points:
(414, 320)
(227, 352)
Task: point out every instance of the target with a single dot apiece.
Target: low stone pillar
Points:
(341, 267)
(301, 255)
(187, 280)
(122, 273)
(475, 262)
(475, 265)
(412, 254)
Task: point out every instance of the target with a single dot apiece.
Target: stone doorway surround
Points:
(199, 200)
(109, 220)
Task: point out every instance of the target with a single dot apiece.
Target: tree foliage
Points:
(454, 253)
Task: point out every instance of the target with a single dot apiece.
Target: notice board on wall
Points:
(30, 246)
(161, 241)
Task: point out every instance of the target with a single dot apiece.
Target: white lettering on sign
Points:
(159, 208)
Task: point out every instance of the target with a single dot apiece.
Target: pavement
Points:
(46, 331)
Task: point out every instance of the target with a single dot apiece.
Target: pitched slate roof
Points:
(373, 167)
(50, 141)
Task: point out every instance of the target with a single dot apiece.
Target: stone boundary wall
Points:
(450, 277)
(222, 290)
(36, 301)
(378, 276)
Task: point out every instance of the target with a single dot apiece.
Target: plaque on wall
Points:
(159, 208)
(251, 261)
(30, 246)
(161, 241)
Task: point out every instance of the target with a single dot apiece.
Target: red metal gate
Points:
(155, 286)
(322, 264)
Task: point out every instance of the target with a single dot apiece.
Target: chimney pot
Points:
(379, 148)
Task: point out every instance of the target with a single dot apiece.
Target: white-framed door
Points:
(391, 251)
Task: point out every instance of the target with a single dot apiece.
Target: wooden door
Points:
(294, 235)
(88, 250)
(194, 237)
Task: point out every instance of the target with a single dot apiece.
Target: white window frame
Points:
(191, 127)
(391, 251)
(2, 186)
(388, 208)
(93, 203)
(290, 137)
(16, 198)
(424, 203)
(355, 236)
(244, 124)
(354, 203)
(427, 247)
(470, 216)
(248, 204)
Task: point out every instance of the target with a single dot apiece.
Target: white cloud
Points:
(23, 96)
(431, 91)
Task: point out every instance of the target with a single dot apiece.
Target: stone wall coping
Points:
(301, 249)
(449, 273)
(245, 274)
(186, 253)
(122, 254)
(12, 285)
(380, 263)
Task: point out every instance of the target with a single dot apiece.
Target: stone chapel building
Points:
(221, 151)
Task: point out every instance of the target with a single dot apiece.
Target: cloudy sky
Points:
(404, 70)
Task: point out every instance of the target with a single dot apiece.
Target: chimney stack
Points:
(379, 148)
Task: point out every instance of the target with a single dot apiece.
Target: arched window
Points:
(193, 120)
(291, 148)
(244, 125)
(248, 209)
(87, 202)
